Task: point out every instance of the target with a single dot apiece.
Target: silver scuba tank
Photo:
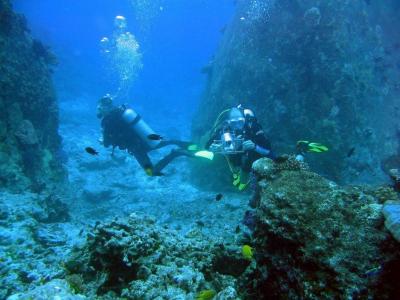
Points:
(140, 127)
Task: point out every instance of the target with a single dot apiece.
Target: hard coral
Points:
(267, 168)
(137, 259)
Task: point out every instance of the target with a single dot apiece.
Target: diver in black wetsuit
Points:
(125, 129)
(241, 139)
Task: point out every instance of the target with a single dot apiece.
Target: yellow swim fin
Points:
(236, 179)
(242, 186)
(205, 154)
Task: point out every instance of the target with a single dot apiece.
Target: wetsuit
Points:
(117, 133)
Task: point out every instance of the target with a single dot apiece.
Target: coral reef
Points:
(137, 259)
(316, 240)
(29, 140)
(308, 72)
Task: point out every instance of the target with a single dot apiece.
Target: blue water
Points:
(194, 229)
(182, 39)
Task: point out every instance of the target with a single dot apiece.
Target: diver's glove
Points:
(214, 147)
(248, 145)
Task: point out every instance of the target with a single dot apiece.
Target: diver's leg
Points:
(170, 157)
(144, 161)
(245, 171)
(178, 143)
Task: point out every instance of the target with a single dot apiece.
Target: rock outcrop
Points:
(316, 240)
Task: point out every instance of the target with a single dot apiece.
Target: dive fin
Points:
(205, 154)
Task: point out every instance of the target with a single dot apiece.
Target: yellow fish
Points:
(205, 295)
(247, 252)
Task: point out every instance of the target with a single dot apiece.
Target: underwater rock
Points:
(316, 239)
(30, 252)
(26, 134)
(56, 289)
(94, 194)
(28, 108)
(391, 211)
(53, 210)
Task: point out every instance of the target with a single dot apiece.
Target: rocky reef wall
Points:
(29, 140)
(311, 70)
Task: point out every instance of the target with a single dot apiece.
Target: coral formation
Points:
(137, 259)
(29, 140)
(317, 240)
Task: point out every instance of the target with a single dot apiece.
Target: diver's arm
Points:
(262, 151)
(211, 140)
(262, 144)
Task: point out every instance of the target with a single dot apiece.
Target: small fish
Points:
(205, 295)
(91, 151)
(218, 197)
(237, 230)
(247, 252)
(200, 223)
(154, 137)
(351, 152)
(374, 272)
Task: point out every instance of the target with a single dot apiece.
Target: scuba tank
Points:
(140, 127)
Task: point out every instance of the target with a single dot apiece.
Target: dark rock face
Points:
(316, 240)
(29, 140)
(310, 70)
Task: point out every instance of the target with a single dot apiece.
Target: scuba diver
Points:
(241, 139)
(124, 128)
